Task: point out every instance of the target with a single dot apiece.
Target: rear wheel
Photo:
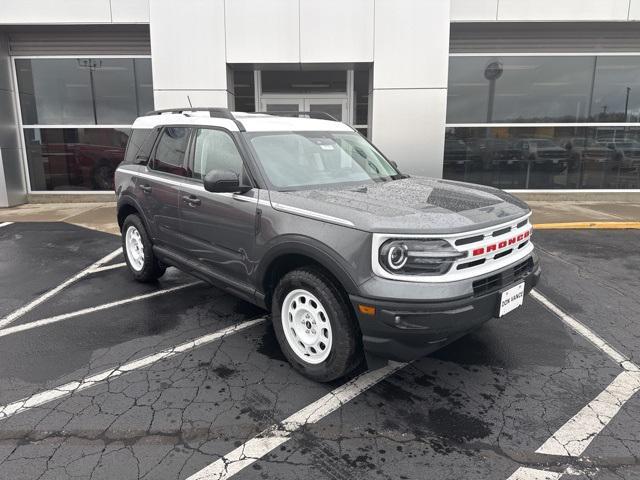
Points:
(315, 325)
(138, 251)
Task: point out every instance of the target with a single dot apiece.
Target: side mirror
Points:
(224, 181)
(142, 159)
(393, 164)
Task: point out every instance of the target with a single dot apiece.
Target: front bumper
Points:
(403, 331)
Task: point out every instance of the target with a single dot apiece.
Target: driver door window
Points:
(215, 150)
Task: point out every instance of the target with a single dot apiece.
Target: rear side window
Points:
(140, 143)
(170, 151)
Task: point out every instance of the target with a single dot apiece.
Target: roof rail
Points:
(294, 113)
(214, 112)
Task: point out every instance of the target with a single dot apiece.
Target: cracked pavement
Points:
(477, 409)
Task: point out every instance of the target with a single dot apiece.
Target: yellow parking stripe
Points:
(592, 225)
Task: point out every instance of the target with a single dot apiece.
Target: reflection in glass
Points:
(544, 157)
(616, 92)
(74, 158)
(307, 81)
(283, 107)
(333, 109)
(84, 91)
(519, 89)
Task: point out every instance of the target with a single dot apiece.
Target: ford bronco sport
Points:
(304, 217)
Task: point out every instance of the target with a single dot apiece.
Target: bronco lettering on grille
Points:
(494, 247)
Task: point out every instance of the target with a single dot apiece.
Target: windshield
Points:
(298, 160)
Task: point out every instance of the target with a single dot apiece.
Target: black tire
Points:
(151, 269)
(346, 349)
(103, 176)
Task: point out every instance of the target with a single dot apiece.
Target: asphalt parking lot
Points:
(102, 377)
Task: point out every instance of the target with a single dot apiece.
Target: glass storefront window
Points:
(519, 89)
(63, 103)
(599, 96)
(84, 91)
(544, 157)
(70, 159)
(616, 92)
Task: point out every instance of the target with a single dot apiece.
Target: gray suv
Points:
(304, 217)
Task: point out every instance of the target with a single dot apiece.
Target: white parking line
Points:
(34, 303)
(587, 333)
(58, 318)
(573, 438)
(67, 389)
(5, 224)
(524, 473)
(277, 434)
(109, 267)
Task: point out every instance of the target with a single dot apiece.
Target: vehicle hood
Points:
(410, 205)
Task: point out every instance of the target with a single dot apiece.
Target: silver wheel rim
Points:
(306, 326)
(135, 248)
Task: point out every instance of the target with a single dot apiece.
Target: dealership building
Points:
(539, 96)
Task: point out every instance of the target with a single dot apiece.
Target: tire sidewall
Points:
(343, 343)
(148, 268)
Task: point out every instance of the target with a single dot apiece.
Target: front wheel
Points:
(138, 251)
(315, 325)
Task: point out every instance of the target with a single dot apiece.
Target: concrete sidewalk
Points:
(102, 216)
(96, 216)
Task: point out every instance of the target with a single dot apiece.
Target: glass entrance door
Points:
(336, 107)
(333, 105)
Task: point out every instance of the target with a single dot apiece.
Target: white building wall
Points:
(73, 11)
(267, 31)
(634, 10)
(410, 73)
(188, 53)
(474, 10)
(130, 11)
(336, 31)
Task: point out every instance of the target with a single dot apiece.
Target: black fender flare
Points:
(128, 200)
(308, 247)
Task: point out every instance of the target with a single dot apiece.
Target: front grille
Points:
(481, 243)
(502, 279)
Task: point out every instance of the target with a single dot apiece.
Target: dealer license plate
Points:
(511, 299)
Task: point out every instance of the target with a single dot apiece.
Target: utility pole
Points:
(626, 105)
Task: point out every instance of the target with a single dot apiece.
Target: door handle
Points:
(191, 200)
(145, 188)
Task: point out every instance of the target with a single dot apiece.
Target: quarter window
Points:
(169, 154)
(140, 143)
(215, 150)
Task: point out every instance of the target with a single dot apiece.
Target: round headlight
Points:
(417, 256)
(397, 256)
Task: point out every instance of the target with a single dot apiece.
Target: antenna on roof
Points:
(189, 99)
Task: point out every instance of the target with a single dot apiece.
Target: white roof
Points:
(252, 122)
